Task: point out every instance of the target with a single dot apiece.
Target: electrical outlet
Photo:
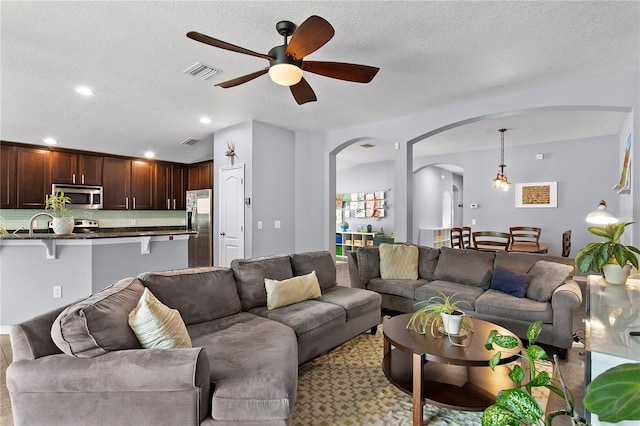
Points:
(35, 224)
(259, 224)
(276, 224)
(184, 221)
(474, 222)
(133, 221)
(57, 291)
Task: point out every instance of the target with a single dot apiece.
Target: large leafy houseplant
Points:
(614, 395)
(598, 254)
(429, 317)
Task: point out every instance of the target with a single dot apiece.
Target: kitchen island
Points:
(47, 271)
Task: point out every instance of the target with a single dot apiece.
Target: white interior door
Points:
(231, 214)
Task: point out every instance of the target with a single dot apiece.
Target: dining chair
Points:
(566, 243)
(491, 240)
(466, 237)
(525, 234)
(456, 238)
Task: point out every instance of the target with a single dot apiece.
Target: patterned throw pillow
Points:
(293, 290)
(158, 326)
(398, 262)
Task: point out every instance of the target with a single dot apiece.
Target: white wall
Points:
(370, 177)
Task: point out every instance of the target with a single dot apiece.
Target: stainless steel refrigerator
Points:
(200, 219)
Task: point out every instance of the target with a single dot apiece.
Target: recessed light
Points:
(149, 154)
(205, 120)
(84, 90)
(50, 141)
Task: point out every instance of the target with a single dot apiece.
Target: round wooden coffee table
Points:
(435, 371)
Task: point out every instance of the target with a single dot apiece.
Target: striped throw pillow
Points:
(156, 325)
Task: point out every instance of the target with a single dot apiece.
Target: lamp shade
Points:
(285, 74)
(602, 216)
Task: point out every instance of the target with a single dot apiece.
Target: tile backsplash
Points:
(19, 218)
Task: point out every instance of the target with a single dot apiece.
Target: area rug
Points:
(347, 387)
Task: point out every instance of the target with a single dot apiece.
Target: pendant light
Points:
(501, 182)
(602, 216)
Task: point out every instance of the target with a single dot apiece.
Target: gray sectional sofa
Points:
(82, 364)
(551, 295)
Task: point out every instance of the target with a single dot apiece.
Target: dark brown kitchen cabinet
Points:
(76, 168)
(8, 185)
(200, 176)
(128, 184)
(33, 177)
(169, 189)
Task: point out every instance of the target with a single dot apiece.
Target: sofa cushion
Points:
(402, 288)
(464, 293)
(398, 262)
(309, 319)
(503, 305)
(368, 263)
(99, 323)
(253, 363)
(427, 262)
(510, 282)
(522, 262)
(156, 325)
(470, 267)
(199, 294)
(545, 278)
(292, 290)
(319, 261)
(250, 275)
(354, 301)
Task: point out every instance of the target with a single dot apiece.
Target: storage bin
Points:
(338, 238)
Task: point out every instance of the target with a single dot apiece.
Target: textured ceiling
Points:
(430, 54)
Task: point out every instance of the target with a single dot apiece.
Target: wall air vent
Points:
(367, 145)
(201, 71)
(190, 141)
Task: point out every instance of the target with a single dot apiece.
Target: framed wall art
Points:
(537, 194)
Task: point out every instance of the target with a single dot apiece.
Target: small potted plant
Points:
(611, 257)
(440, 312)
(62, 217)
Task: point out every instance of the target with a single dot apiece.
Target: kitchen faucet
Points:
(32, 219)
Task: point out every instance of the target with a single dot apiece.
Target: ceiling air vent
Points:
(201, 71)
(367, 145)
(190, 141)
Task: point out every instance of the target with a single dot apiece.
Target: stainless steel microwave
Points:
(82, 196)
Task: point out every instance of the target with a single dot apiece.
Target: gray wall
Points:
(584, 169)
(370, 177)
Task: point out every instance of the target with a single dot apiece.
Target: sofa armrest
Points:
(354, 274)
(565, 299)
(140, 386)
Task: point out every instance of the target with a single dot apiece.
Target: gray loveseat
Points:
(551, 296)
(82, 364)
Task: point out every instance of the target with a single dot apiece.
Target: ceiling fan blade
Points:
(341, 71)
(311, 35)
(224, 45)
(302, 92)
(239, 80)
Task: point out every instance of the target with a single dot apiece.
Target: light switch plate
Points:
(276, 224)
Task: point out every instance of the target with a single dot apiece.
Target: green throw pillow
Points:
(157, 325)
(398, 262)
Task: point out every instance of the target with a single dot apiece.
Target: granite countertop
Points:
(102, 233)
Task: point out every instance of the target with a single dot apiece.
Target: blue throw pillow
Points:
(510, 282)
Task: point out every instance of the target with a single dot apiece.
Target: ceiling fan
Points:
(286, 62)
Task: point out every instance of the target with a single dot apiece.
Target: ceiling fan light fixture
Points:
(285, 74)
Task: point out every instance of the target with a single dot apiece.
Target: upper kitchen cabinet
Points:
(128, 184)
(200, 176)
(169, 186)
(8, 186)
(76, 168)
(33, 177)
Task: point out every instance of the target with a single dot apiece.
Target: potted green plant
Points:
(614, 395)
(440, 312)
(611, 257)
(62, 217)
